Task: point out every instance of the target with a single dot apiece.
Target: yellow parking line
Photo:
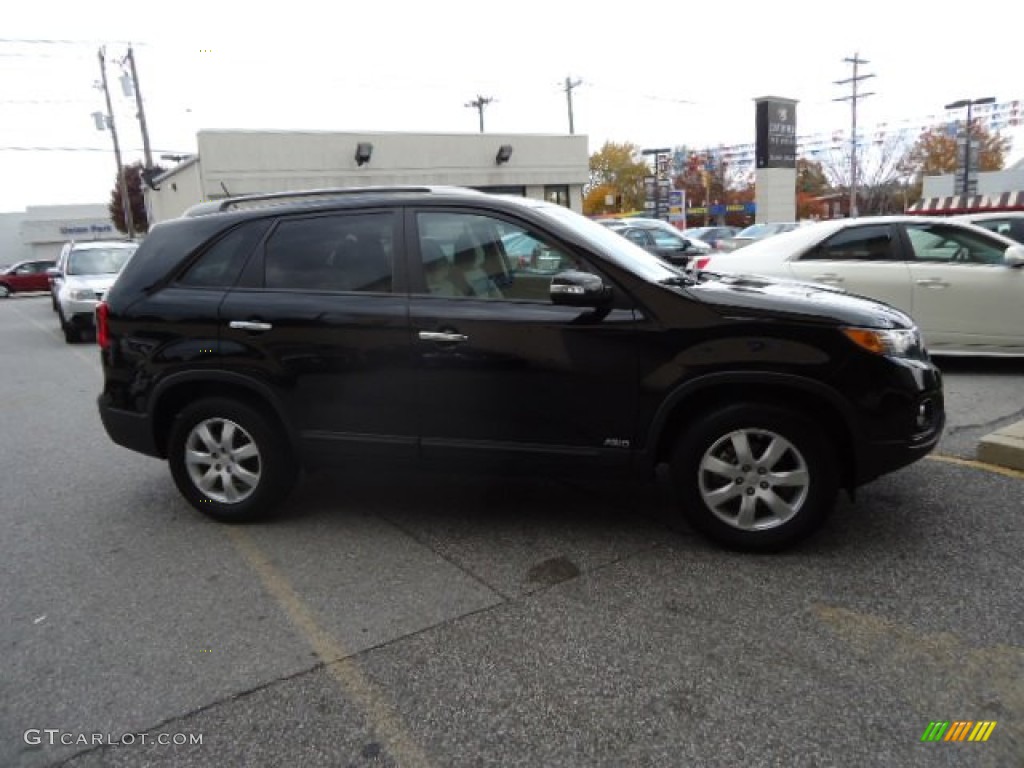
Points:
(384, 720)
(994, 468)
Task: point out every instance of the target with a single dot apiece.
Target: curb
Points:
(1004, 447)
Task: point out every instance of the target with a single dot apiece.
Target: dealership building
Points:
(231, 163)
(40, 231)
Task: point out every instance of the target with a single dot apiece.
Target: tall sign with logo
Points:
(775, 159)
(776, 133)
(658, 186)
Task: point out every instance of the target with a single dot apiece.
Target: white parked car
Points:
(81, 279)
(963, 285)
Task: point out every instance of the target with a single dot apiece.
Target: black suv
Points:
(258, 336)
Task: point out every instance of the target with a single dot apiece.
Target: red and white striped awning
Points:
(942, 206)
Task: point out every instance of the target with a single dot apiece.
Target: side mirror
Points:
(579, 289)
(52, 272)
(1014, 256)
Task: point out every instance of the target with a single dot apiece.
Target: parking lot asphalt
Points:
(442, 620)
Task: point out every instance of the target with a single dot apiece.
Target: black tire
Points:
(5, 291)
(759, 509)
(71, 333)
(273, 465)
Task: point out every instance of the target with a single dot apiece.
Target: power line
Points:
(46, 41)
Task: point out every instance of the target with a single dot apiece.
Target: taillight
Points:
(701, 261)
(102, 329)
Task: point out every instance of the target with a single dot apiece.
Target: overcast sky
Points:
(656, 73)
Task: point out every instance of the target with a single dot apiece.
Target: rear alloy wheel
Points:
(755, 477)
(229, 461)
(5, 291)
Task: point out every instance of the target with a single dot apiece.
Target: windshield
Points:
(98, 261)
(615, 246)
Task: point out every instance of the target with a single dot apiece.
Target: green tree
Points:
(616, 168)
(811, 178)
(133, 179)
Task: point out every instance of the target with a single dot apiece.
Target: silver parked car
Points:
(82, 278)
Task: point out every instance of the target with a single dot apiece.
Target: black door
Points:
(503, 375)
(322, 315)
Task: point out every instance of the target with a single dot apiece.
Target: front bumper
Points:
(80, 312)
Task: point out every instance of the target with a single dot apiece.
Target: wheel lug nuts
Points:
(746, 467)
(750, 491)
(764, 485)
(739, 481)
(762, 471)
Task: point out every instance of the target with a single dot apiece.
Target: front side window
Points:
(342, 252)
(873, 243)
(951, 245)
(477, 256)
(637, 236)
(999, 226)
(665, 239)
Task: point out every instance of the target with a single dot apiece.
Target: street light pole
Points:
(969, 103)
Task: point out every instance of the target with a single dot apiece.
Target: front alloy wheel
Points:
(755, 476)
(754, 479)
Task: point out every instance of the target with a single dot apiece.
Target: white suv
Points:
(84, 275)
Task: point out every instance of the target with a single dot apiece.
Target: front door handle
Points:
(439, 336)
(933, 282)
(249, 325)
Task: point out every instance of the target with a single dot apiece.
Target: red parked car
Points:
(23, 277)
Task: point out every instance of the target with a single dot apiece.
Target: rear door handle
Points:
(249, 325)
(933, 282)
(439, 336)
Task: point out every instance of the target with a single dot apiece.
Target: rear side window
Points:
(874, 243)
(220, 265)
(342, 252)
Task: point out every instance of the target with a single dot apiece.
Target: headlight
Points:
(82, 294)
(901, 343)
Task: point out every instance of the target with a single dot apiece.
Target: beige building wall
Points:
(233, 163)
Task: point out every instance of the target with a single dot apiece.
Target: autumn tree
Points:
(936, 153)
(615, 170)
(133, 182)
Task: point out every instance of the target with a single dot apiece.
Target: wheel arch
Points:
(173, 393)
(806, 396)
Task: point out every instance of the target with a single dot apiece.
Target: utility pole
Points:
(478, 104)
(856, 61)
(569, 85)
(141, 114)
(121, 182)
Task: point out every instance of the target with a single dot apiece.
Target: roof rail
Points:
(218, 206)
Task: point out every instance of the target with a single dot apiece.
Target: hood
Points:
(769, 297)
